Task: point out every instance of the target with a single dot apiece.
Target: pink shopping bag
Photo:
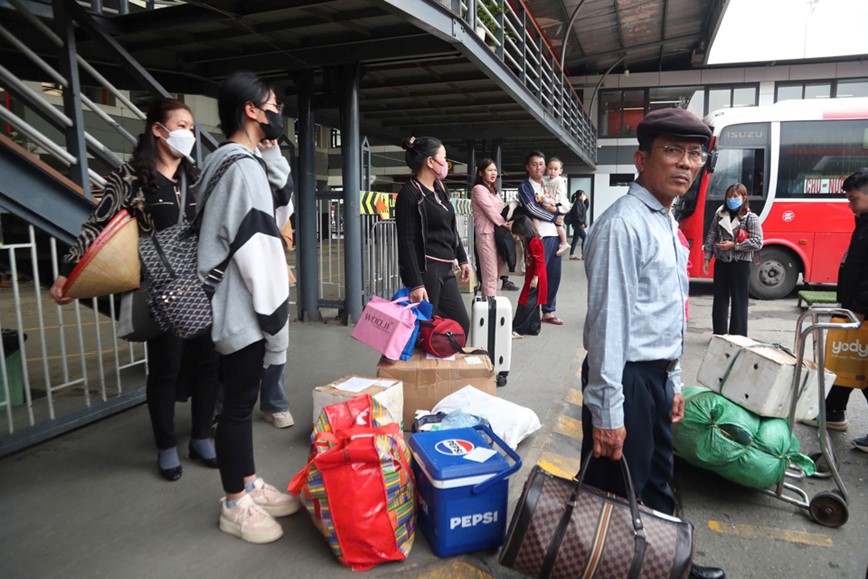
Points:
(385, 326)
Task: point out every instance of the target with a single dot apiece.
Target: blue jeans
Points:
(273, 395)
(553, 271)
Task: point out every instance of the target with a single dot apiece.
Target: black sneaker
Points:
(508, 286)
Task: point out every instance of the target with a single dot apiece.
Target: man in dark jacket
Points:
(852, 294)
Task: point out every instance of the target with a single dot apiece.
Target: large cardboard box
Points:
(759, 377)
(389, 393)
(428, 380)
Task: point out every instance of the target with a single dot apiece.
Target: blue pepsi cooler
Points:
(462, 503)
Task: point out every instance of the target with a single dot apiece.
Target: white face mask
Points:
(180, 141)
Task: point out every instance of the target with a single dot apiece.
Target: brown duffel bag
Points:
(562, 528)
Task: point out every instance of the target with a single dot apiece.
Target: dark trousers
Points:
(836, 400)
(527, 317)
(442, 288)
(731, 281)
(578, 233)
(241, 373)
(553, 271)
(648, 447)
(188, 365)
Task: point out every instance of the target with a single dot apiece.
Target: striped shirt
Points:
(637, 290)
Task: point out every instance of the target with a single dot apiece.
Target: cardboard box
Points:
(427, 381)
(389, 393)
(759, 377)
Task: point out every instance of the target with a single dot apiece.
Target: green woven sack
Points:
(721, 436)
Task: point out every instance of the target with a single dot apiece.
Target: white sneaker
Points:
(249, 522)
(517, 336)
(280, 419)
(272, 501)
(564, 247)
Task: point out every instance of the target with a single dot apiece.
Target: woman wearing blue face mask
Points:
(150, 187)
(733, 237)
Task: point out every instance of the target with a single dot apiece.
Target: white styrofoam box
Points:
(388, 392)
(759, 377)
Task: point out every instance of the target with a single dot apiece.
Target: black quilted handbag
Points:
(564, 529)
(179, 301)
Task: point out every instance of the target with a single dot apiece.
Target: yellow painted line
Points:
(752, 532)
(455, 570)
(574, 396)
(569, 427)
(558, 464)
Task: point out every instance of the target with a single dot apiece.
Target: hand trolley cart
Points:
(827, 508)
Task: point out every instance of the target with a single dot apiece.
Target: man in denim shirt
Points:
(634, 330)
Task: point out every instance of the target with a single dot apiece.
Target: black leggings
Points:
(836, 400)
(442, 288)
(186, 365)
(578, 233)
(241, 373)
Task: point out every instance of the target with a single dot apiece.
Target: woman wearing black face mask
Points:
(428, 240)
(250, 306)
(149, 187)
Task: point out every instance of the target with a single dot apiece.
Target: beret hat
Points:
(672, 121)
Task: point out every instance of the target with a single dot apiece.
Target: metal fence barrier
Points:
(58, 364)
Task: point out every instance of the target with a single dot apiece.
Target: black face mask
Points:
(275, 126)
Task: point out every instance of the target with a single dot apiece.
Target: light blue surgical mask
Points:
(733, 204)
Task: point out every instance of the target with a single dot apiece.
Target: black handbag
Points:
(564, 529)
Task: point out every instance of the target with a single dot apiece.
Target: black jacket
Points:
(853, 274)
(411, 221)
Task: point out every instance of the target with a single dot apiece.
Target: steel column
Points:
(471, 166)
(351, 160)
(498, 153)
(308, 273)
(68, 65)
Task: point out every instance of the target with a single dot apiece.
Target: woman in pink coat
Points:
(487, 208)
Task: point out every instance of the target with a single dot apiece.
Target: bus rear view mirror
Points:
(712, 161)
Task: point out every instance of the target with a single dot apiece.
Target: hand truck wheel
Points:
(829, 509)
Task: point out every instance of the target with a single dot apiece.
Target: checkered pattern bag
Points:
(179, 301)
(564, 529)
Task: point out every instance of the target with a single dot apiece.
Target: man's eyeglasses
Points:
(675, 153)
(278, 106)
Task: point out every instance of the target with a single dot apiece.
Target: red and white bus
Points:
(792, 157)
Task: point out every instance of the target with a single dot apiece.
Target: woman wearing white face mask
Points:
(150, 187)
(428, 239)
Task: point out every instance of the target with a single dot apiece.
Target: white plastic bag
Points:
(511, 422)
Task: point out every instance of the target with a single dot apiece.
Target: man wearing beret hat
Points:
(634, 329)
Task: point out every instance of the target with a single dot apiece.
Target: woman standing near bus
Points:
(733, 237)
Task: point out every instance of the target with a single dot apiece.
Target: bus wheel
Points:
(775, 276)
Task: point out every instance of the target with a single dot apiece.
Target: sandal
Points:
(553, 320)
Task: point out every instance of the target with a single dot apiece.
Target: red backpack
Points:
(441, 336)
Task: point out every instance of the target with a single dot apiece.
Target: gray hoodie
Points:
(251, 303)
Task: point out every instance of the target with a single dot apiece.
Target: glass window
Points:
(610, 113)
(744, 96)
(670, 97)
(788, 93)
(852, 88)
(719, 98)
(634, 110)
(740, 157)
(816, 156)
(818, 91)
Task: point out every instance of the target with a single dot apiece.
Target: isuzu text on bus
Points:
(792, 157)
